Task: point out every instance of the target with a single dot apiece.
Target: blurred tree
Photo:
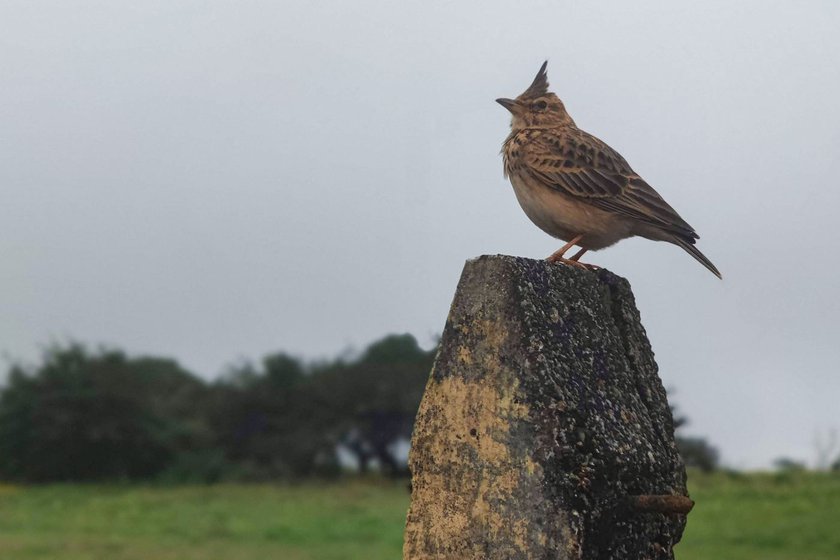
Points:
(395, 349)
(285, 419)
(282, 371)
(376, 399)
(786, 464)
(270, 420)
(696, 452)
(826, 446)
(84, 415)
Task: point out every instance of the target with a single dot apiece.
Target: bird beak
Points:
(508, 104)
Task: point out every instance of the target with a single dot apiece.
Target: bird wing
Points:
(582, 166)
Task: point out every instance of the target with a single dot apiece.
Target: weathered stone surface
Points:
(543, 413)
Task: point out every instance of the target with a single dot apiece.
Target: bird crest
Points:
(539, 86)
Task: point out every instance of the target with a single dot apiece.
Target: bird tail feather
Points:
(695, 252)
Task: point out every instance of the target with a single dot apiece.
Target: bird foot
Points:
(573, 263)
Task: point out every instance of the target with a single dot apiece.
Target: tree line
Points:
(84, 414)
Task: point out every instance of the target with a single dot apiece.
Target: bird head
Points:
(537, 107)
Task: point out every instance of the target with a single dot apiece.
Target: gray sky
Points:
(213, 180)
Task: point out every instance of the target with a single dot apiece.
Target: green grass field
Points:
(762, 517)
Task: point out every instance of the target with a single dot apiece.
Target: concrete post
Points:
(544, 431)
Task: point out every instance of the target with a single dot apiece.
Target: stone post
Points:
(544, 431)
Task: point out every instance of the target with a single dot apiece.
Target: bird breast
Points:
(565, 217)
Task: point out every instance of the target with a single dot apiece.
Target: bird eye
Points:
(540, 105)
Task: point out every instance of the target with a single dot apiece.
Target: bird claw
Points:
(573, 263)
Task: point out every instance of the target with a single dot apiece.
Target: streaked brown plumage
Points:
(575, 187)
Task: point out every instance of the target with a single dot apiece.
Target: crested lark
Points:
(578, 189)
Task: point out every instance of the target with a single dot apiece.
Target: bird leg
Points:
(576, 258)
(558, 254)
(578, 255)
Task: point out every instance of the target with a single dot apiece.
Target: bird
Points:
(576, 188)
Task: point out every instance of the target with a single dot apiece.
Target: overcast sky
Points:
(218, 180)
